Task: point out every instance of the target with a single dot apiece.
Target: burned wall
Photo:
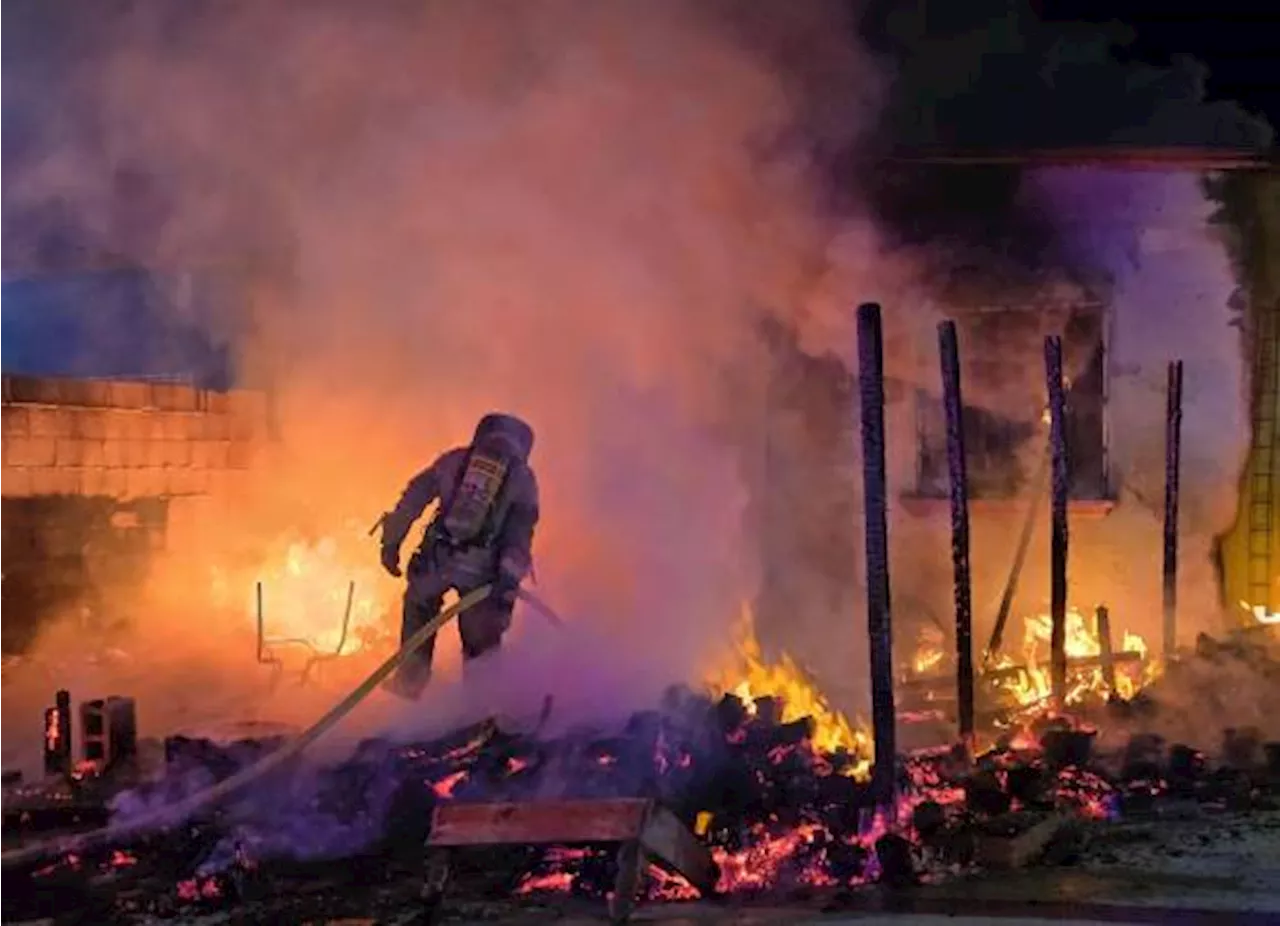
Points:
(98, 477)
(1170, 287)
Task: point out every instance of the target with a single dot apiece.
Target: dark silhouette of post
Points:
(1039, 490)
(957, 471)
(879, 625)
(1172, 467)
(1106, 649)
(1058, 518)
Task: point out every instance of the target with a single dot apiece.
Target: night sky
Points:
(1236, 39)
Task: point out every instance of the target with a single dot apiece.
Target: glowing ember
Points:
(929, 650)
(749, 678)
(304, 590)
(1261, 614)
(444, 787)
(557, 879)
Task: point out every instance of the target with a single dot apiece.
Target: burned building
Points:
(1133, 268)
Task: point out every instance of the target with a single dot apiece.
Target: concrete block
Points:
(198, 451)
(216, 427)
(94, 481)
(217, 403)
(116, 424)
(16, 482)
(49, 480)
(114, 453)
(147, 482)
(177, 483)
(173, 426)
(130, 395)
(96, 392)
(16, 421)
(199, 480)
(90, 423)
(51, 422)
(87, 393)
(154, 426)
(137, 454)
(68, 452)
(156, 453)
(219, 454)
(177, 453)
(115, 483)
(139, 426)
(31, 451)
(93, 453)
(180, 482)
(239, 454)
(173, 397)
(35, 389)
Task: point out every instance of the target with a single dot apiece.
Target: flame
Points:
(1032, 686)
(1261, 614)
(749, 677)
(304, 595)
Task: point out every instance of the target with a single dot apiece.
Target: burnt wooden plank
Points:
(665, 837)
(548, 822)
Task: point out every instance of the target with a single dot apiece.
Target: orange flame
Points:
(304, 594)
(1032, 686)
(749, 677)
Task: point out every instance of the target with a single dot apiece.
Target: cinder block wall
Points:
(98, 475)
(124, 440)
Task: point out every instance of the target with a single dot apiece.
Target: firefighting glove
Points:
(391, 560)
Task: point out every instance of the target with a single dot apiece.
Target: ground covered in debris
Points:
(787, 821)
(1122, 815)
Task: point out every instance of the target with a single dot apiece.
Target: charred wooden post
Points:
(879, 626)
(1058, 511)
(1172, 466)
(949, 349)
(1106, 653)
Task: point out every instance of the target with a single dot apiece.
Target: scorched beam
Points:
(643, 829)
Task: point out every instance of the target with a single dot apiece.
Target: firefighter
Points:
(482, 533)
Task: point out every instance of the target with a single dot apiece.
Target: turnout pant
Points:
(481, 626)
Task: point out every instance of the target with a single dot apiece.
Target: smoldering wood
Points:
(1076, 664)
(1172, 467)
(875, 489)
(1105, 651)
(953, 399)
(1058, 518)
(747, 775)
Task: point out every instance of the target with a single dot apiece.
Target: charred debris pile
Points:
(782, 818)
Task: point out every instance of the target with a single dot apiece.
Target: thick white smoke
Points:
(574, 212)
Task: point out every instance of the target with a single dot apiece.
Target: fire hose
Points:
(178, 811)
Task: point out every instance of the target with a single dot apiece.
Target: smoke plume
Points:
(579, 213)
(573, 212)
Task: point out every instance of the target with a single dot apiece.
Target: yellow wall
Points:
(1265, 454)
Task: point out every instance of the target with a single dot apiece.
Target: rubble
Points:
(782, 816)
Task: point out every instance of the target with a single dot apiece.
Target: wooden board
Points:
(670, 841)
(545, 823)
(655, 828)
